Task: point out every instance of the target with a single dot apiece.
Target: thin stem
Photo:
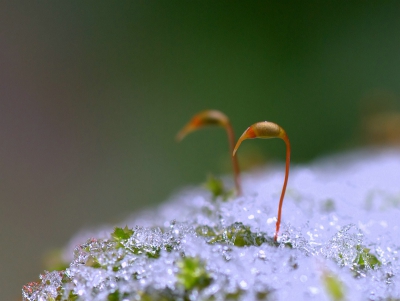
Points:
(235, 164)
(214, 117)
(278, 222)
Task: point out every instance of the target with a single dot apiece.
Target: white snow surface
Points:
(335, 210)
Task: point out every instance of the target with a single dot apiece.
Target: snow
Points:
(340, 221)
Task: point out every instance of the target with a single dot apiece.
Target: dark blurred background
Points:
(93, 93)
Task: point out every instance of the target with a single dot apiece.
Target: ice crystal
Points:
(339, 240)
(47, 289)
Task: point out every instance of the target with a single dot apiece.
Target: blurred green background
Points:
(93, 93)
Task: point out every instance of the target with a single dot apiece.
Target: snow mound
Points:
(339, 240)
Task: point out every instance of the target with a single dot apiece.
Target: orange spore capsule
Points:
(209, 118)
(265, 130)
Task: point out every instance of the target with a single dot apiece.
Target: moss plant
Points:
(366, 260)
(236, 234)
(192, 274)
(217, 188)
(266, 130)
(210, 118)
(333, 286)
(122, 235)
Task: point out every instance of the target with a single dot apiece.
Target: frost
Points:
(46, 289)
(339, 240)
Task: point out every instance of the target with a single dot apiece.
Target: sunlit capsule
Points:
(209, 118)
(265, 130)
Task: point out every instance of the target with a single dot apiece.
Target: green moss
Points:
(149, 251)
(328, 205)
(192, 274)
(93, 263)
(237, 295)
(236, 234)
(114, 296)
(333, 286)
(206, 231)
(366, 260)
(71, 297)
(121, 234)
(217, 189)
(263, 295)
